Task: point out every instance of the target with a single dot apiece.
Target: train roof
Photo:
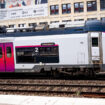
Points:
(89, 26)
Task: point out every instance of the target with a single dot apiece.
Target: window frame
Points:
(102, 4)
(66, 9)
(54, 9)
(78, 7)
(93, 6)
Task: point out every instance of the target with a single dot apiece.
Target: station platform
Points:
(45, 100)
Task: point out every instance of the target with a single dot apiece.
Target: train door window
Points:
(25, 55)
(9, 53)
(94, 42)
(0, 52)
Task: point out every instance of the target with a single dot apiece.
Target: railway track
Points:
(80, 88)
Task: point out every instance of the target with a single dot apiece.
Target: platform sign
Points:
(24, 9)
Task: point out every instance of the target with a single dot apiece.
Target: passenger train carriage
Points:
(60, 50)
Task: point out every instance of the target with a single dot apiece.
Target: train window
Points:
(94, 42)
(20, 53)
(25, 55)
(9, 53)
(55, 49)
(0, 52)
(48, 55)
(49, 51)
(37, 54)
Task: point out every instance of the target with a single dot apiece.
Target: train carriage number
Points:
(36, 50)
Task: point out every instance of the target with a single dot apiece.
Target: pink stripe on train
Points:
(36, 46)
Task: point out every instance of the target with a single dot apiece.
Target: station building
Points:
(29, 13)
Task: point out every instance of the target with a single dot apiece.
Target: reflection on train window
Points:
(37, 55)
(24, 55)
(9, 53)
(48, 51)
(94, 42)
(0, 52)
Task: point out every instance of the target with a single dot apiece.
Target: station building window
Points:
(102, 4)
(21, 25)
(54, 9)
(103, 19)
(54, 22)
(66, 8)
(43, 23)
(91, 6)
(79, 20)
(2, 4)
(89, 19)
(12, 26)
(32, 24)
(66, 20)
(79, 7)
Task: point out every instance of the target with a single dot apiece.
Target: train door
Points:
(6, 57)
(2, 58)
(95, 48)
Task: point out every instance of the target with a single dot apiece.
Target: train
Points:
(62, 50)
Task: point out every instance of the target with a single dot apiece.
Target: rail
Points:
(80, 89)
